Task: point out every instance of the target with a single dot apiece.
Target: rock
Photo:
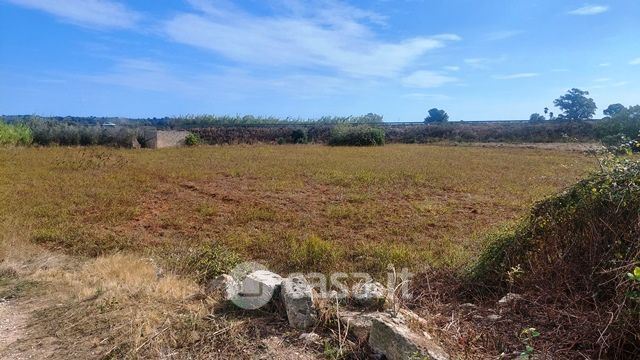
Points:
(297, 297)
(509, 299)
(396, 339)
(225, 284)
(257, 290)
(494, 317)
(310, 338)
(358, 323)
(370, 294)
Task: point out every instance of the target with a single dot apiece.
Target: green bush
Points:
(344, 135)
(15, 135)
(211, 260)
(299, 136)
(192, 140)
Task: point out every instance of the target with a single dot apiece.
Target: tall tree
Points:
(436, 116)
(575, 105)
(614, 109)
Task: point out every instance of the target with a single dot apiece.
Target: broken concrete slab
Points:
(403, 337)
(257, 289)
(358, 323)
(297, 297)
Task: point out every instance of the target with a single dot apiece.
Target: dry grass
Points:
(81, 225)
(410, 204)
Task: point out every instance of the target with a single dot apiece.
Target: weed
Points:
(209, 261)
(313, 254)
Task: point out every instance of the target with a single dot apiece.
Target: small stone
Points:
(468, 306)
(310, 338)
(494, 317)
(509, 298)
(370, 294)
(297, 296)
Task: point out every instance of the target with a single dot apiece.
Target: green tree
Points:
(614, 109)
(436, 116)
(575, 105)
(535, 117)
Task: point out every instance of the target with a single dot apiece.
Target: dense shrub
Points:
(192, 140)
(574, 252)
(51, 133)
(623, 126)
(356, 136)
(15, 134)
(299, 136)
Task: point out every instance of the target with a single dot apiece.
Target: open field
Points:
(295, 208)
(97, 245)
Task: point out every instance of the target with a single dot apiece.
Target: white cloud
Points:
(516, 76)
(590, 10)
(323, 33)
(452, 68)
(602, 80)
(501, 35)
(635, 61)
(604, 64)
(93, 13)
(427, 79)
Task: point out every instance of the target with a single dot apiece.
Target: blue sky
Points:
(476, 59)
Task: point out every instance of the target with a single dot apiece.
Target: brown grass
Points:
(81, 225)
(427, 203)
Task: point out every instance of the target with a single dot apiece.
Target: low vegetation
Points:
(112, 246)
(574, 252)
(15, 135)
(356, 136)
(262, 201)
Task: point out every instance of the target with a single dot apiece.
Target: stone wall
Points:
(158, 139)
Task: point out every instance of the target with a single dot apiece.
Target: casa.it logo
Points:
(254, 286)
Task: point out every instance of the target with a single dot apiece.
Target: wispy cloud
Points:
(590, 10)
(451, 68)
(421, 96)
(226, 82)
(92, 13)
(501, 35)
(516, 76)
(604, 64)
(322, 33)
(605, 83)
(483, 63)
(427, 79)
(635, 61)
